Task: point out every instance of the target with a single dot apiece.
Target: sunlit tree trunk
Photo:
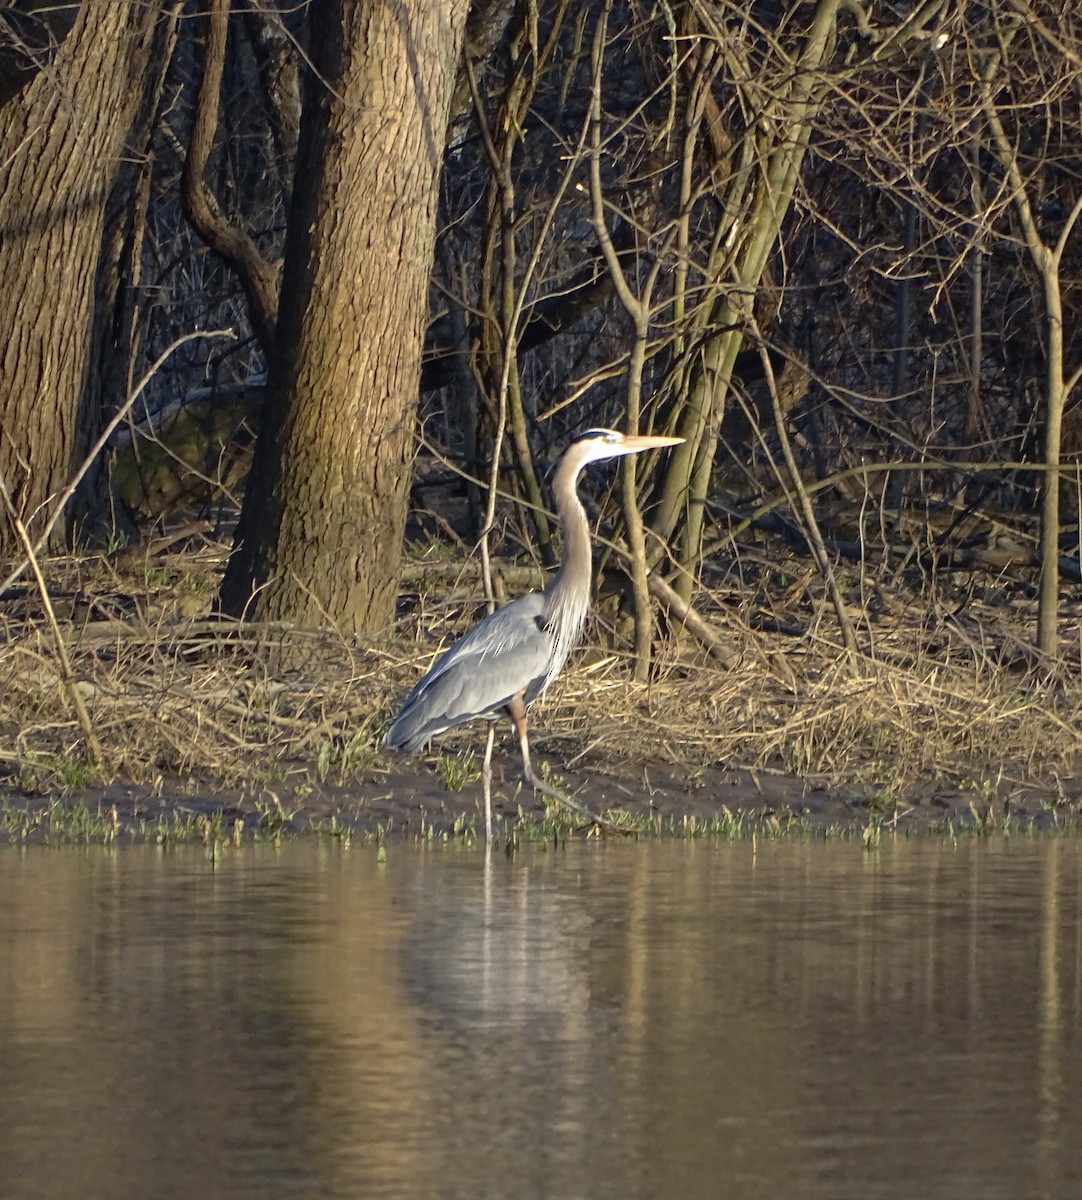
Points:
(780, 153)
(321, 531)
(1047, 257)
(62, 140)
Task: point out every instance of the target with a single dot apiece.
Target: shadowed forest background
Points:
(300, 302)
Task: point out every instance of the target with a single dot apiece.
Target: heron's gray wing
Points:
(500, 657)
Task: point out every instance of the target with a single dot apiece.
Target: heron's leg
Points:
(486, 777)
(517, 709)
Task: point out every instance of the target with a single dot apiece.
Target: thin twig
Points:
(811, 525)
(67, 677)
(96, 449)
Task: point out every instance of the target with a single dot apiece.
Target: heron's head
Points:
(594, 445)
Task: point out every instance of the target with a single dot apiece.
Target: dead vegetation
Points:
(938, 696)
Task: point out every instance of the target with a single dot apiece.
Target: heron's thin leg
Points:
(518, 714)
(486, 776)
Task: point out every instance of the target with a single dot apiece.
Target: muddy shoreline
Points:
(410, 801)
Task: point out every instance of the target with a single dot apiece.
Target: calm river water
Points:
(662, 1020)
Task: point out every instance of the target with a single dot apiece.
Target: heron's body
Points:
(508, 654)
(512, 656)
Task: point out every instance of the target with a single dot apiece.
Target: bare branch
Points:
(258, 277)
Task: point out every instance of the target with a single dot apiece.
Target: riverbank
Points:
(210, 729)
(415, 805)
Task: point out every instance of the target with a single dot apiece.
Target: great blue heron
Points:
(511, 657)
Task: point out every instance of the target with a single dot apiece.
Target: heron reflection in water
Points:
(513, 655)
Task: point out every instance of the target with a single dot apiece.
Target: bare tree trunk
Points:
(1048, 260)
(116, 348)
(1057, 389)
(62, 139)
(639, 309)
(321, 530)
(687, 473)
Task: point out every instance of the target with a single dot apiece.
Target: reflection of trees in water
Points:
(141, 1040)
(629, 1020)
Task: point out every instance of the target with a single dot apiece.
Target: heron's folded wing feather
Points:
(496, 660)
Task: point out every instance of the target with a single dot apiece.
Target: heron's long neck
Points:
(567, 596)
(577, 565)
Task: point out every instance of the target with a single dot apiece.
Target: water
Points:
(664, 1020)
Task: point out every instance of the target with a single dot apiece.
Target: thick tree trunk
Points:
(61, 142)
(321, 531)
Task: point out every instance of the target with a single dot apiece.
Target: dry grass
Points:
(878, 724)
(925, 706)
(172, 692)
(175, 695)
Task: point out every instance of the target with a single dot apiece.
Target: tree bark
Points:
(62, 139)
(321, 530)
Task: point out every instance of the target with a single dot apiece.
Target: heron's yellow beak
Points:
(634, 442)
